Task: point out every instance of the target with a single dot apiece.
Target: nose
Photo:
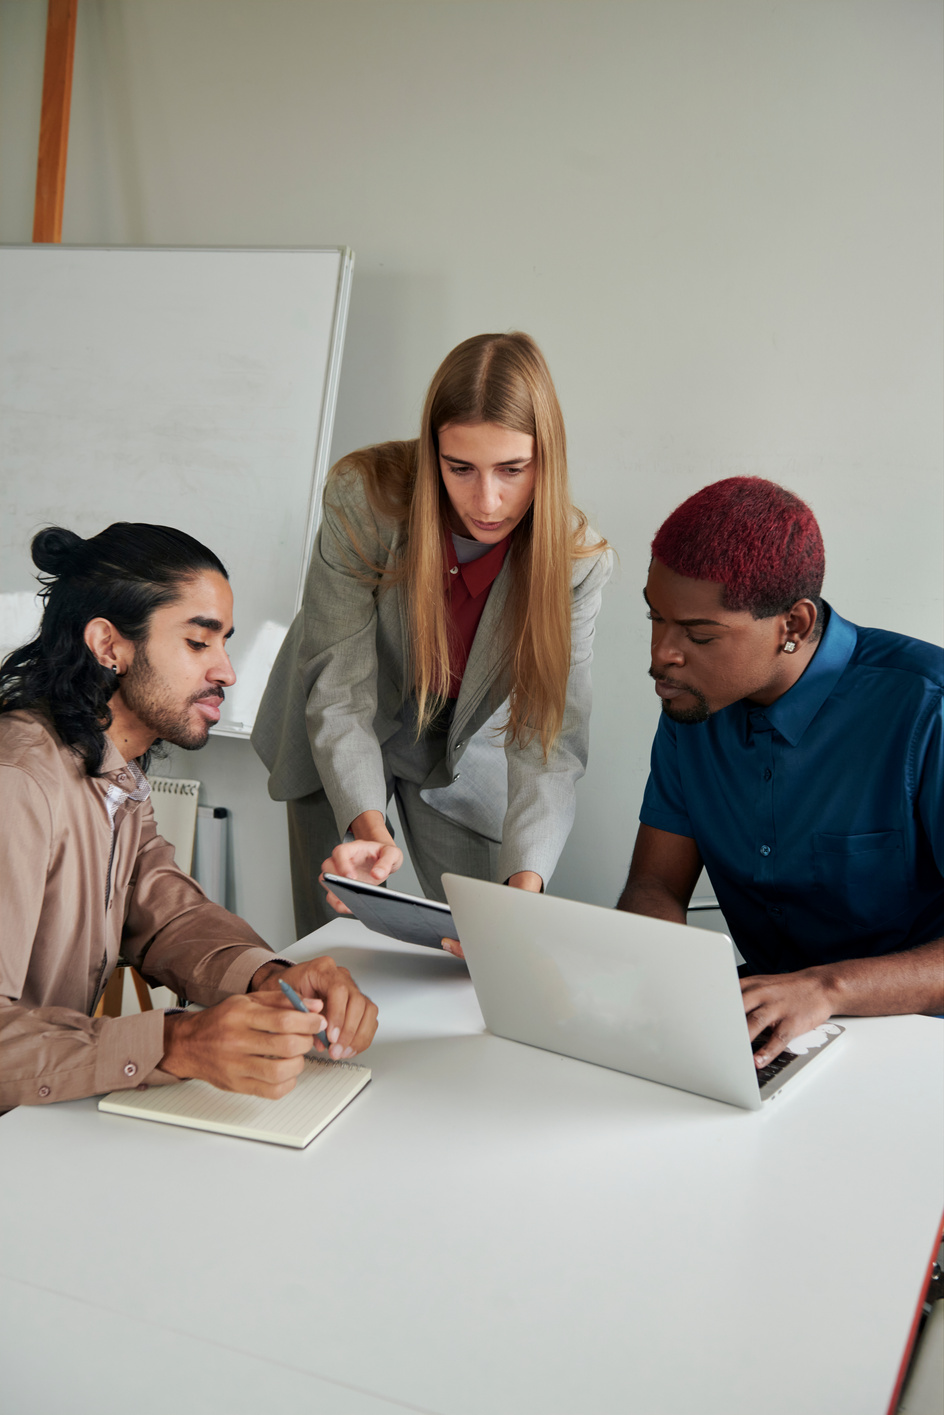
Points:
(667, 651)
(222, 671)
(489, 498)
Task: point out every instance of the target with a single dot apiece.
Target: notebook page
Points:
(322, 1090)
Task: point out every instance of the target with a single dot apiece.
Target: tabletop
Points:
(487, 1227)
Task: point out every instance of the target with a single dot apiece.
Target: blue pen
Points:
(296, 1002)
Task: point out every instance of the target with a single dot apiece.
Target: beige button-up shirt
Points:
(84, 875)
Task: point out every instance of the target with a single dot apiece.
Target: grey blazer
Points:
(338, 690)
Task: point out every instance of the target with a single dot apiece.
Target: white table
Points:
(487, 1228)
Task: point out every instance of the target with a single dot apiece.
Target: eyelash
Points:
(691, 638)
(464, 471)
(195, 644)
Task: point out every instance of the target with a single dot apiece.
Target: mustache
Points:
(664, 678)
(211, 693)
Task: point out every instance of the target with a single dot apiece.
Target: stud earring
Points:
(790, 646)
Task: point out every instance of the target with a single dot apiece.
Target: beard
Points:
(153, 701)
(699, 713)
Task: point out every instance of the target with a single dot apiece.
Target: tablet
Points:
(401, 916)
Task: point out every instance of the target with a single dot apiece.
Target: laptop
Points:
(657, 1000)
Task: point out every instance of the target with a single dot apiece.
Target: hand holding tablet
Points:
(370, 860)
(400, 916)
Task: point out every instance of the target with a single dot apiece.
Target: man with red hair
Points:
(800, 759)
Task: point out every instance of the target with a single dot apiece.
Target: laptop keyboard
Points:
(773, 1068)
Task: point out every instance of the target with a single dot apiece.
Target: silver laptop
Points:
(657, 1000)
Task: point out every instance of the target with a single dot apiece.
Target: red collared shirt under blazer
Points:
(467, 588)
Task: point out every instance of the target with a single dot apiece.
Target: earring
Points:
(790, 646)
(114, 668)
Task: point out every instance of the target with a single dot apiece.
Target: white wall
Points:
(720, 218)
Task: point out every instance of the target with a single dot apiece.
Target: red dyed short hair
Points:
(753, 537)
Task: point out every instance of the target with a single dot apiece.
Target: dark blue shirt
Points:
(820, 819)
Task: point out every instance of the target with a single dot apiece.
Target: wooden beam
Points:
(54, 120)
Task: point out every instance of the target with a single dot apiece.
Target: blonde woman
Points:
(442, 653)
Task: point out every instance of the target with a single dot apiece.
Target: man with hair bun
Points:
(131, 650)
(800, 759)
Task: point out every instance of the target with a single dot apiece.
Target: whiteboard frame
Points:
(329, 404)
(322, 450)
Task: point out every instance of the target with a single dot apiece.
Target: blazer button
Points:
(457, 775)
(44, 1091)
(131, 1069)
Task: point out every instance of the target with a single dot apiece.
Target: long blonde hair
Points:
(501, 379)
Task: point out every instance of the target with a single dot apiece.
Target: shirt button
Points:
(765, 849)
(767, 773)
(454, 570)
(776, 910)
(44, 1091)
(131, 1069)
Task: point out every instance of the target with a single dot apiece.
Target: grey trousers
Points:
(436, 846)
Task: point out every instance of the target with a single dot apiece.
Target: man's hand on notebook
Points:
(350, 1016)
(254, 1043)
(787, 1003)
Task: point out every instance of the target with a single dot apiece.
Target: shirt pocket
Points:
(860, 878)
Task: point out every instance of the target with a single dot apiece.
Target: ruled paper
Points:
(322, 1090)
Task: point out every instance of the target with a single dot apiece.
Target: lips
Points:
(665, 690)
(487, 525)
(210, 707)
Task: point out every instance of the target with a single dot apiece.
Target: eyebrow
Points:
(214, 625)
(688, 623)
(504, 462)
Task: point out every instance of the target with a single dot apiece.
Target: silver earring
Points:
(114, 668)
(790, 646)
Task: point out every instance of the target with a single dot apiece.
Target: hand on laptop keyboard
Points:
(773, 1068)
(782, 1006)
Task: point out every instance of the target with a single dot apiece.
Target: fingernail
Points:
(334, 1033)
(348, 1051)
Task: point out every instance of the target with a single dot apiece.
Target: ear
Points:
(111, 649)
(801, 621)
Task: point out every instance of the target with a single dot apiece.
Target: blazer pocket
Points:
(861, 878)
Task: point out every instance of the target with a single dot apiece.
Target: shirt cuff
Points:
(129, 1050)
(281, 962)
(238, 975)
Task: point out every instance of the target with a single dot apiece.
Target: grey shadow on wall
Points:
(393, 319)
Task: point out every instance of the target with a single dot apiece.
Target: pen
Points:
(296, 1002)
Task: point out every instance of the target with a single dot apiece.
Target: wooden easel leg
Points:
(141, 988)
(111, 998)
(54, 120)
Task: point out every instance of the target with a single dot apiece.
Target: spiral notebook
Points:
(322, 1090)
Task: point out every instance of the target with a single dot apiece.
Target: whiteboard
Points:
(191, 388)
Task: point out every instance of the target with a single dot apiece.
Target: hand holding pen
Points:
(297, 1003)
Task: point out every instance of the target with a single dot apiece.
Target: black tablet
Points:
(401, 916)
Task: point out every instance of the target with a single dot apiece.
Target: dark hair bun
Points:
(57, 551)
